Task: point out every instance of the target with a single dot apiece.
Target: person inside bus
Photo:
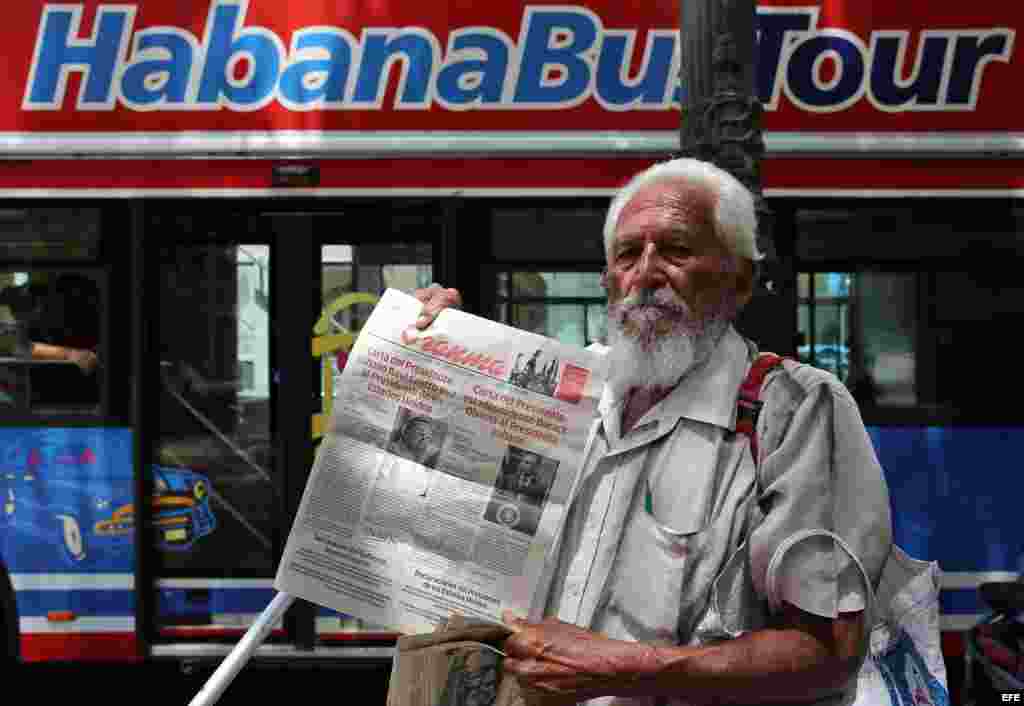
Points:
(685, 571)
(17, 305)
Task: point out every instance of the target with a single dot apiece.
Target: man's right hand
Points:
(435, 298)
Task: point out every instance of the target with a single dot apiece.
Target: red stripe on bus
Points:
(384, 175)
(81, 646)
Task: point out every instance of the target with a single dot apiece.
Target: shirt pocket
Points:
(652, 569)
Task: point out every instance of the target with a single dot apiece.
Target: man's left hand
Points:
(558, 663)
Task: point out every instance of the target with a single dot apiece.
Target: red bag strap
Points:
(748, 403)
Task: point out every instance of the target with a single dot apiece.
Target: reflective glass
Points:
(803, 285)
(215, 495)
(566, 323)
(569, 306)
(597, 323)
(803, 318)
(403, 266)
(864, 331)
(832, 284)
(831, 334)
(887, 312)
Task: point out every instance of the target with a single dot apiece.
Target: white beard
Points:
(643, 357)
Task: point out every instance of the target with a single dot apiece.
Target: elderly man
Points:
(686, 571)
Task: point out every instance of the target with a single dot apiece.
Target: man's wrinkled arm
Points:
(802, 658)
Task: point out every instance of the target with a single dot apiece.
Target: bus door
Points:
(257, 308)
(216, 488)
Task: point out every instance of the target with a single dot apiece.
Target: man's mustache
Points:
(662, 298)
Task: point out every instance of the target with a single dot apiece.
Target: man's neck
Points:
(638, 401)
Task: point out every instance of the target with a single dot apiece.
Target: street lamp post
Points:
(721, 123)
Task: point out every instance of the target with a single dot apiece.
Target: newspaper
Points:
(446, 472)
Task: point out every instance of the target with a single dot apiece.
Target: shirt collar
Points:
(706, 394)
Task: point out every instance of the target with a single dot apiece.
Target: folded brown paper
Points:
(457, 665)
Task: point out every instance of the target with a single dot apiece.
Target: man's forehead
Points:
(680, 199)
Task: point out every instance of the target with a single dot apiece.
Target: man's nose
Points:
(649, 268)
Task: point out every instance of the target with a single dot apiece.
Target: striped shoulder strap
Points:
(748, 403)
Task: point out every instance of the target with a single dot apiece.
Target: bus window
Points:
(569, 306)
(910, 305)
(861, 326)
(50, 362)
(214, 454)
(369, 268)
(50, 314)
(253, 322)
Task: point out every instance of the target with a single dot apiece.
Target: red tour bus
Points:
(174, 174)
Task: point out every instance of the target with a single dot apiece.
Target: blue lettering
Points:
(225, 42)
(470, 81)
(379, 51)
(802, 73)
(58, 53)
(575, 33)
(772, 29)
(614, 89)
(158, 81)
(315, 81)
(888, 89)
(972, 54)
(562, 57)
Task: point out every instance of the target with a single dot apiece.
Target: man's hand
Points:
(557, 663)
(435, 298)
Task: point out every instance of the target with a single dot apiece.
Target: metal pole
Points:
(721, 123)
(240, 654)
(721, 113)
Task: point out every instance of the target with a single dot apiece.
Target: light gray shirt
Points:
(722, 545)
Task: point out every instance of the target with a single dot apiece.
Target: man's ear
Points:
(745, 278)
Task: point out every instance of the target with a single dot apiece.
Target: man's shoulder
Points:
(790, 387)
(799, 380)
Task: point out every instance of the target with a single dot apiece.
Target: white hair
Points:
(734, 217)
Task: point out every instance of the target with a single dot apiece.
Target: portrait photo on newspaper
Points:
(417, 437)
(521, 489)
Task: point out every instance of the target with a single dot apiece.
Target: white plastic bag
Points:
(904, 665)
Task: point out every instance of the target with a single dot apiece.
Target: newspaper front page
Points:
(446, 472)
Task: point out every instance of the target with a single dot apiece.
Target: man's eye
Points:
(676, 251)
